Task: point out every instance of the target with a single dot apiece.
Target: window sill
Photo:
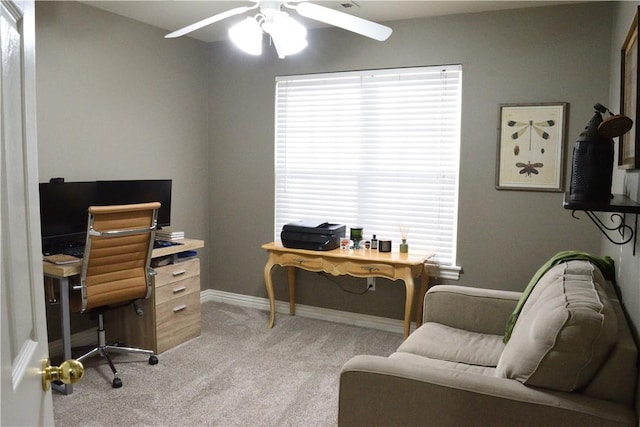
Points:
(451, 272)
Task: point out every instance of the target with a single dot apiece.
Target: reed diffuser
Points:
(404, 246)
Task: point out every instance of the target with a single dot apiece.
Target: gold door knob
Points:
(69, 372)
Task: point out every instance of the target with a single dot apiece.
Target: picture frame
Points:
(531, 147)
(629, 143)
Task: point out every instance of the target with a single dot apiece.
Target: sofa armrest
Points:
(379, 391)
(471, 309)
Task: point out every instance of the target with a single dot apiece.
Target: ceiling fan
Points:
(288, 35)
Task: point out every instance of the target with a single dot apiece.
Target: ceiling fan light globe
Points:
(288, 35)
(289, 46)
(247, 35)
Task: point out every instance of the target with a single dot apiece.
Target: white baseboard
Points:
(89, 337)
(282, 307)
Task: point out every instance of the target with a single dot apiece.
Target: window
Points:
(377, 149)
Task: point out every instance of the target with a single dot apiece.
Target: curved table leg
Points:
(408, 304)
(291, 274)
(269, 284)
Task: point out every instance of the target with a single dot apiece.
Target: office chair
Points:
(116, 269)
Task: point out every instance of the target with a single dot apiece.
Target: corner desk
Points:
(149, 331)
(352, 262)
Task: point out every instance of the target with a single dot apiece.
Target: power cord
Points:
(330, 278)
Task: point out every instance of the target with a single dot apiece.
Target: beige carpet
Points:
(237, 373)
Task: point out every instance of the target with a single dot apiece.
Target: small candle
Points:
(356, 233)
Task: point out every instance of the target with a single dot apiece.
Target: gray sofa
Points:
(570, 360)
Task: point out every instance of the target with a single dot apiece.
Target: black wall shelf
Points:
(618, 233)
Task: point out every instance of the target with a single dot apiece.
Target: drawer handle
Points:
(301, 261)
(371, 269)
(179, 273)
(179, 308)
(180, 289)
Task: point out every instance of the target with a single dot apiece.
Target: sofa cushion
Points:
(605, 265)
(437, 341)
(564, 332)
(426, 362)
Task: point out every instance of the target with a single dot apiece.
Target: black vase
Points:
(592, 169)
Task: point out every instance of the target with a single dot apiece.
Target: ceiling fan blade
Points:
(343, 20)
(209, 21)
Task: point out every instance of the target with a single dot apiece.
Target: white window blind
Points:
(377, 149)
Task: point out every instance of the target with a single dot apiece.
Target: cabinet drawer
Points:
(177, 289)
(301, 261)
(177, 321)
(365, 269)
(182, 270)
(170, 339)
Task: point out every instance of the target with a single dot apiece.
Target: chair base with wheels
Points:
(103, 349)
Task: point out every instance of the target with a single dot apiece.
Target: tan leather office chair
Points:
(116, 268)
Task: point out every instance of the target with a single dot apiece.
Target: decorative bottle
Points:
(404, 247)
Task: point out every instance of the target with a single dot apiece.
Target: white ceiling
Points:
(174, 14)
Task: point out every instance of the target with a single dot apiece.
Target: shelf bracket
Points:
(619, 225)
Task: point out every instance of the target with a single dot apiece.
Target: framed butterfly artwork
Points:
(531, 147)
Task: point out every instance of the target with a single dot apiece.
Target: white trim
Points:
(282, 307)
(368, 73)
(450, 272)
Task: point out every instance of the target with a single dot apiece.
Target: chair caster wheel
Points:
(117, 383)
(153, 360)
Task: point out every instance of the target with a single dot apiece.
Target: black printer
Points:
(313, 235)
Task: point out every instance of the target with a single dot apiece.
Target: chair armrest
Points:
(471, 309)
(379, 391)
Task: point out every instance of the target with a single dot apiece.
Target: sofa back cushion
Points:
(616, 380)
(565, 330)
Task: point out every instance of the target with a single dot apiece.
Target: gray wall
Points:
(625, 181)
(116, 101)
(549, 54)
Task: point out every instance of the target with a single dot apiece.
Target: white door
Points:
(23, 319)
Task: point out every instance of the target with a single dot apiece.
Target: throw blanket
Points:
(604, 264)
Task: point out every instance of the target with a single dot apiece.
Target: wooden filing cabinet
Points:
(177, 303)
(171, 314)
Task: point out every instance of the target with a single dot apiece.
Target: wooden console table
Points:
(357, 263)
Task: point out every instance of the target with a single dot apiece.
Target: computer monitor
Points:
(63, 210)
(138, 191)
(64, 206)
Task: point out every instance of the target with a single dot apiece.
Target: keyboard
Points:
(76, 251)
(164, 243)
